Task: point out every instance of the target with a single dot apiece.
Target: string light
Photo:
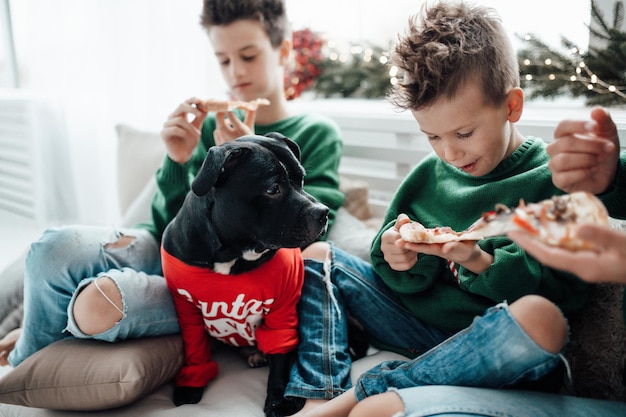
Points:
(582, 74)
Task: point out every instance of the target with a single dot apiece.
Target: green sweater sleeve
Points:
(173, 183)
(615, 198)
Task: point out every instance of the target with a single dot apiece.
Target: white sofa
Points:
(78, 375)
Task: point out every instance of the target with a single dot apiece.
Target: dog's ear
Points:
(213, 168)
(209, 171)
(293, 146)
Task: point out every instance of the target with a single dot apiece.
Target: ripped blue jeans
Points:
(64, 260)
(493, 352)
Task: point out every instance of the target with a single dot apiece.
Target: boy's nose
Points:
(451, 153)
(236, 69)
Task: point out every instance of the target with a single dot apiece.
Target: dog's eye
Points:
(273, 190)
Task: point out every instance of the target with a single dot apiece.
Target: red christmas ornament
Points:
(307, 48)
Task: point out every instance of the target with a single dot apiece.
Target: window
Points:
(8, 63)
(354, 21)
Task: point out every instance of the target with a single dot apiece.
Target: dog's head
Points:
(251, 191)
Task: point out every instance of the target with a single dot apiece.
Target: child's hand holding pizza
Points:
(554, 221)
(396, 255)
(229, 127)
(464, 252)
(181, 131)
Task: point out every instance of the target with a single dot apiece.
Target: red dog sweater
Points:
(253, 308)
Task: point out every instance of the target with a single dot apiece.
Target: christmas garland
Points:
(599, 74)
(320, 67)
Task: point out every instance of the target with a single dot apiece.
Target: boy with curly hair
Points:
(483, 313)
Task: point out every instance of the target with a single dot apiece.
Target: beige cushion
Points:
(85, 375)
(139, 154)
(352, 235)
(357, 197)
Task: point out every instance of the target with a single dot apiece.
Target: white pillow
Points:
(139, 155)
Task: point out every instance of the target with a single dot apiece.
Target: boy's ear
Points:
(285, 51)
(515, 103)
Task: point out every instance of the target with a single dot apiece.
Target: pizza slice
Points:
(212, 105)
(554, 221)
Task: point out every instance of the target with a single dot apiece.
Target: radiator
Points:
(35, 174)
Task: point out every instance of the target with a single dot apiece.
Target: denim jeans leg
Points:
(55, 266)
(378, 309)
(474, 402)
(322, 369)
(493, 352)
(323, 366)
(147, 305)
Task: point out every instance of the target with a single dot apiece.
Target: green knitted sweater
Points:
(438, 194)
(320, 150)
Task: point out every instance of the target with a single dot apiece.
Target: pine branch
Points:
(598, 17)
(618, 15)
(599, 75)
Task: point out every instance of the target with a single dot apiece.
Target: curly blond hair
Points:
(447, 45)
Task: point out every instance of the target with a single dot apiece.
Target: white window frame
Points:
(9, 79)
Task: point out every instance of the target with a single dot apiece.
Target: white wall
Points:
(380, 21)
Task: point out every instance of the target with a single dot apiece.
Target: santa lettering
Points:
(234, 323)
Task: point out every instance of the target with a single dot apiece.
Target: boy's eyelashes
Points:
(460, 135)
(243, 58)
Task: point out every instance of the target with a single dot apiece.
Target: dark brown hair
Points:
(270, 13)
(446, 46)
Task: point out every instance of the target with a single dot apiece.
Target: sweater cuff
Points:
(615, 198)
(173, 172)
(196, 375)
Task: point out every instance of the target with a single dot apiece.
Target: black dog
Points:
(225, 261)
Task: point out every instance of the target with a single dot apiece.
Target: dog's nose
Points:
(322, 214)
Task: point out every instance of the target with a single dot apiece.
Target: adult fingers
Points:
(548, 255)
(576, 145)
(605, 126)
(602, 236)
(574, 127)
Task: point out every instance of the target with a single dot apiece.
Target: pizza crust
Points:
(417, 233)
(554, 221)
(220, 106)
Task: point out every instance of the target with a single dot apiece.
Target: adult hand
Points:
(229, 127)
(604, 265)
(584, 154)
(181, 131)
